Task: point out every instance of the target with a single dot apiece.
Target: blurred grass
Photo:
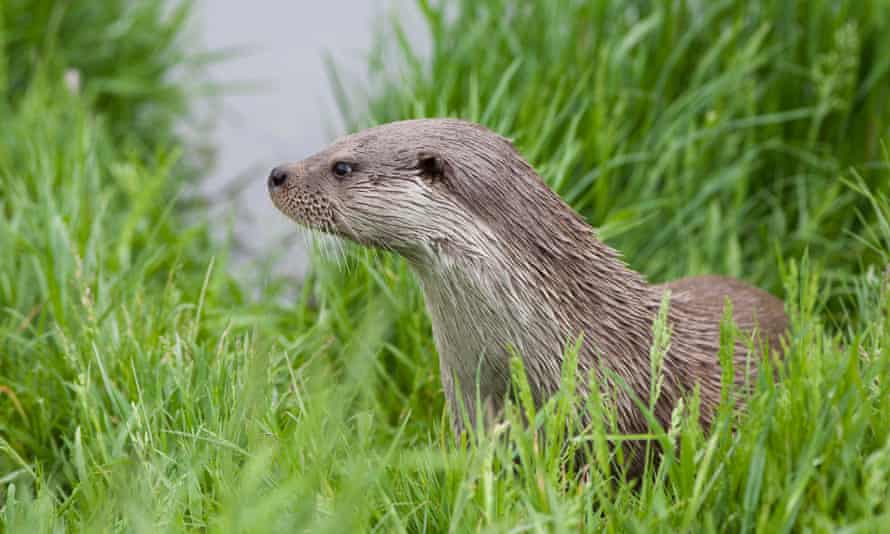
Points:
(142, 389)
(127, 56)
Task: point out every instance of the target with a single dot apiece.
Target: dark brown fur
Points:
(504, 262)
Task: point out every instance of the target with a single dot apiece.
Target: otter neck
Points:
(504, 296)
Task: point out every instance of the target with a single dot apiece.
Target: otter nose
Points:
(277, 177)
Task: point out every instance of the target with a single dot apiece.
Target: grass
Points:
(143, 389)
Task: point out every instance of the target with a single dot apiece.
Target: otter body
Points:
(505, 264)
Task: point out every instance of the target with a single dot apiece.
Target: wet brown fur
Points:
(505, 262)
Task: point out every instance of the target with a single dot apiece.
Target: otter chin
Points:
(507, 267)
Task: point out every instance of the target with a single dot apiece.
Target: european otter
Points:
(505, 263)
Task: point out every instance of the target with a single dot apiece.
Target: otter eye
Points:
(341, 168)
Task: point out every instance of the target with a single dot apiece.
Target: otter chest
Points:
(472, 339)
(477, 328)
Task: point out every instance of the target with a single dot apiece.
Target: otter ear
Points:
(432, 166)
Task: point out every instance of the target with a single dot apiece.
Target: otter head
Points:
(414, 187)
(430, 189)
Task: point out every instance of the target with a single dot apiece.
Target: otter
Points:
(507, 267)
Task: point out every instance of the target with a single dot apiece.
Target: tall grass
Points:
(142, 389)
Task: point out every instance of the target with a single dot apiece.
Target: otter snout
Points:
(301, 196)
(278, 177)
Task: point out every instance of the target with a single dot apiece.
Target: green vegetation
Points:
(142, 387)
